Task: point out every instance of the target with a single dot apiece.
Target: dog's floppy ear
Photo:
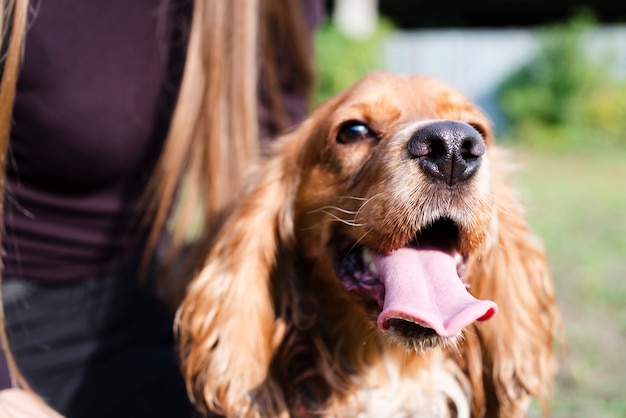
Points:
(517, 358)
(226, 324)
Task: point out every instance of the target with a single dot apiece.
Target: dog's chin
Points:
(358, 270)
(415, 337)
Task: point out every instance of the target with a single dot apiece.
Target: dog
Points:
(378, 265)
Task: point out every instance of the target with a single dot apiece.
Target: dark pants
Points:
(100, 347)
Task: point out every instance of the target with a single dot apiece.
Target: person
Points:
(125, 127)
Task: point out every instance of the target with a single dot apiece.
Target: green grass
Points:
(577, 203)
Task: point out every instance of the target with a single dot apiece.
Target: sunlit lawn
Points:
(577, 203)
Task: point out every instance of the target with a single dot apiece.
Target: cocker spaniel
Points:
(379, 265)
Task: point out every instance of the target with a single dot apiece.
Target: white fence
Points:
(476, 61)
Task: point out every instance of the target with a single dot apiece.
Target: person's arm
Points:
(18, 403)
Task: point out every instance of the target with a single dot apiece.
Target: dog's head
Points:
(382, 220)
(395, 191)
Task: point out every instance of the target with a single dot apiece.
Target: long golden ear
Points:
(226, 323)
(516, 358)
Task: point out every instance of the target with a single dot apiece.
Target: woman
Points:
(118, 115)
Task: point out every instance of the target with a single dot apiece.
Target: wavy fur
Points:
(267, 329)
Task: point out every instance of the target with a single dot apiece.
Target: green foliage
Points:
(564, 97)
(550, 87)
(341, 61)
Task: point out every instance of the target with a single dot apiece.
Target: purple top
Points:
(93, 102)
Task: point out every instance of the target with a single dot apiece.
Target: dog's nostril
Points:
(448, 151)
(432, 148)
(472, 148)
(438, 149)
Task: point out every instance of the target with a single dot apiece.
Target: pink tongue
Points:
(422, 286)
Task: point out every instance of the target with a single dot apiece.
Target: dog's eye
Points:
(354, 132)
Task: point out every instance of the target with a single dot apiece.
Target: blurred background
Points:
(552, 76)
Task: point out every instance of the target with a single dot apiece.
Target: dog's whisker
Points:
(335, 218)
(359, 240)
(365, 202)
(370, 199)
(337, 208)
(353, 197)
(353, 223)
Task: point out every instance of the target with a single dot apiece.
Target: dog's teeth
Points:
(367, 256)
(369, 262)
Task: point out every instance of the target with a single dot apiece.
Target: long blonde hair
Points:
(214, 132)
(12, 27)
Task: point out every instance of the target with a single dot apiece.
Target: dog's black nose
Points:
(448, 151)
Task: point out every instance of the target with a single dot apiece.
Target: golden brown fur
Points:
(268, 330)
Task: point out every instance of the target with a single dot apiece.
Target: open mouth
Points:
(417, 291)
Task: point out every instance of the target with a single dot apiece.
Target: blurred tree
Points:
(564, 96)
